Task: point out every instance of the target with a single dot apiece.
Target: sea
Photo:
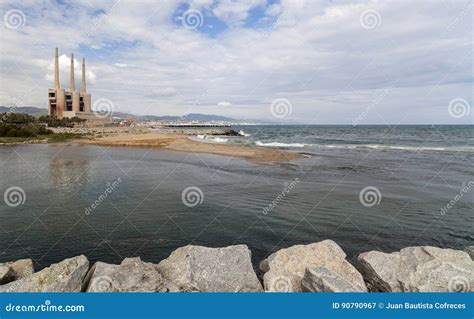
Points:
(365, 187)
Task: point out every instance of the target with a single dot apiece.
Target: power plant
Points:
(72, 103)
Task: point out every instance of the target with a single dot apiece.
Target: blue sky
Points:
(291, 61)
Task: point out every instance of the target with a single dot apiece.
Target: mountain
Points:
(35, 111)
(188, 117)
(31, 110)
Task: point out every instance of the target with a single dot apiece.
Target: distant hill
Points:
(31, 110)
(187, 117)
(36, 111)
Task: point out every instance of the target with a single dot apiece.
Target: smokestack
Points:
(56, 69)
(83, 75)
(72, 87)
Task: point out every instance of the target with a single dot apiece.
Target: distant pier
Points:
(196, 125)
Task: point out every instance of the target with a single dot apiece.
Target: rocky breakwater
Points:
(316, 267)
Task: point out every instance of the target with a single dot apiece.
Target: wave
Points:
(277, 144)
(212, 139)
(242, 133)
(413, 148)
(397, 147)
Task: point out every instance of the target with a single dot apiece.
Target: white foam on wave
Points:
(242, 133)
(396, 147)
(219, 139)
(212, 138)
(277, 144)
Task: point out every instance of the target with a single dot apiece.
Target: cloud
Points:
(64, 62)
(166, 92)
(121, 65)
(224, 104)
(318, 55)
(234, 13)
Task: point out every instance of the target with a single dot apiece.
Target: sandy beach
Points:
(182, 143)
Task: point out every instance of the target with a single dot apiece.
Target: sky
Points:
(285, 61)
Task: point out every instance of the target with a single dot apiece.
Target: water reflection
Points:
(69, 174)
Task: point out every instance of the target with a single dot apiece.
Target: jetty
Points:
(316, 267)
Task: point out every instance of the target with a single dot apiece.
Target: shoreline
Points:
(316, 267)
(174, 139)
(182, 143)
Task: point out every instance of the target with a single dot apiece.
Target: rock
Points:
(197, 268)
(14, 270)
(285, 268)
(470, 251)
(132, 275)
(422, 268)
(3, 273)
(65, 276)
(321, 279)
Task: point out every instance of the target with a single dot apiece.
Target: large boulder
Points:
(197, 268)
(14, 270)
(470, 251)
(422, 268)
(284, 269)
(65, 276)
(4, 274)
(321, 279)
(132, 275)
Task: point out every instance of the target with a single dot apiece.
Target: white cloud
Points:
(224, 104)
(235, 12)
(64, 62)
(316, 54)
(121, 65)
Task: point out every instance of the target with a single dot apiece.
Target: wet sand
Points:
(182, 143)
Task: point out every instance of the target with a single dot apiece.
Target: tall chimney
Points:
(72, 87)
(83, 75)
(56, 69)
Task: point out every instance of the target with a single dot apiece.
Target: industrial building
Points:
(72, 103)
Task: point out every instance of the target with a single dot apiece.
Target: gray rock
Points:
(3, 274)
(132, 275)
(422, 268)
(15, 270)
(65, 276)
(321, 279)
(285, 268)
(197, 268)
(470, 251)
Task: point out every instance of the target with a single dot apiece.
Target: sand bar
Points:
(182, 143)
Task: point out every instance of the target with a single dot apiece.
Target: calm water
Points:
(417, 170)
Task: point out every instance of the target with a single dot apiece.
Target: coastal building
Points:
(71, 103)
